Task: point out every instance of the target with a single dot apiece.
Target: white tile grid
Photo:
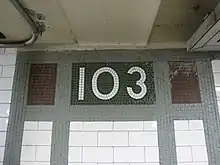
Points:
(4, 110)
(5, 97)
(6, 83)
(114, 164)
(36, 143)
(114, 126)
(190, 142)
(3, 130)
(7, 71)
(102, 142)
(186, 125)
(4, 113)
(37, 126)
(7, 67)
(2, 149)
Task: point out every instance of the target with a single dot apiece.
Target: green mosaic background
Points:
(105, 83)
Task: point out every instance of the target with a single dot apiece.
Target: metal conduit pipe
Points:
(35, 30)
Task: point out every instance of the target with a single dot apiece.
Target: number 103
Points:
(116, 83)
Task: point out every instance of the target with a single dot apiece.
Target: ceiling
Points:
(108, 23)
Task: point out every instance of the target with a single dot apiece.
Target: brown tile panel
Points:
(42, 84)
(184, 81)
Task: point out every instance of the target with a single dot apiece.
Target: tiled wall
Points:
(113, 142)
(119, 134)
(190, 142)
(36, 143)
(7, 67)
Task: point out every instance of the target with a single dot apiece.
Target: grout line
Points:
(128, 139)
(35, 149)
(112, 126)
(191, 153)
(113, 149)
(145, 158)
(97, 138)
(82, 148)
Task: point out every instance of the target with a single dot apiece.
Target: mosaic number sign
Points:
(113, 83)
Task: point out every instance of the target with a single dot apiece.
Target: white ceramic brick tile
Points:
(45, 125)
(36, 138)
(143, 139)
(182, 138)
(29, 138)
(9, 59)
(4, 110)
(150, 125)
(97, 154)
(8, 71)
(83, 139)
(184, 154)
(196, 125)
(2, 138)
(129, 126)
(44, 137)
(152, 154)
(41, 163)
(216, 65)
(35, 163)
(3, 124)
(43, 153)
(97, 126)
(113, 139)
(76, 126)
(5, 96)
(217, 78)
(6, 83)
(83, 164)
(144, 164)
(199, 153)
(75, 154)
(28, 153)
(194, 163)
(114, 164)
(197, 138)
(129, 154)
(2, 150)
(30, 125)
(181, 125)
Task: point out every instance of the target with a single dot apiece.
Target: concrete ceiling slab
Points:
(111, 21)
(177, 20)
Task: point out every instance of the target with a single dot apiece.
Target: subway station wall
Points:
(113, 107)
